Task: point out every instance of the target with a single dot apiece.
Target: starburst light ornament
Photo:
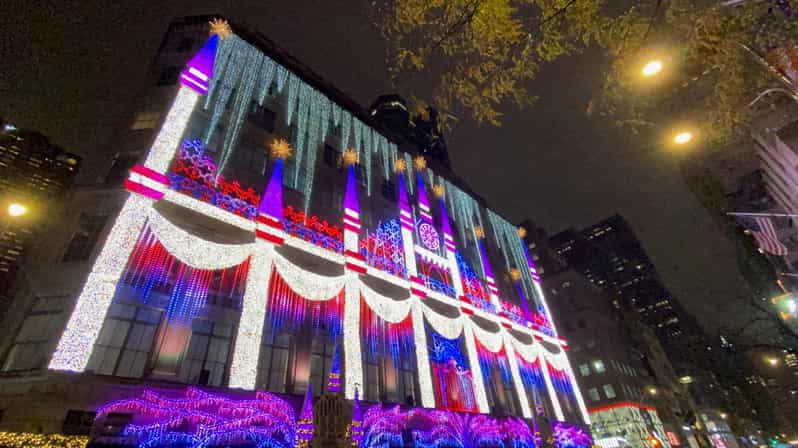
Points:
(350, 157)
(478, 232)
(221, 28)
(400, 165)
(438, 190)
(280, 149)
(420, 163)
(515, 274)
(521, 232)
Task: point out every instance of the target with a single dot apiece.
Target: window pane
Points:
(609, 391)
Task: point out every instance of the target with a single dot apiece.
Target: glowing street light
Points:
(652, 68)
(773, 361)
(683, 137)
(16, 209)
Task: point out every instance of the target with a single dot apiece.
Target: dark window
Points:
(321, 356)
(262, 117)
(168, 76)
(32, 345)
(185, 44)
(78, 422)
(332, 157)
(275, 361)
(120, 168)
(389, 190)
(208, 352)
(85, 237)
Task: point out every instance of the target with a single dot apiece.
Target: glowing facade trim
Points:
(476, 369)
(353, 361)
(491, 341)
(244, 367)
(422, 356)
(195, 251)
(209, 210)
(389, 310)
(83, 327)
(307, 284)
(520, 392)
(555, 402)
(168, 140)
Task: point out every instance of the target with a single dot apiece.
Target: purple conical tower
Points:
(351, 206)
(405, 217)
(334, 380)
(199, 69)
(448, 239)
(304, 425)
(423, 202)
(270, 210)
(491, 280)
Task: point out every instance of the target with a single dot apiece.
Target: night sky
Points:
(69, 69)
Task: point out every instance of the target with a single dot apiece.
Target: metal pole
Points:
(773, 215)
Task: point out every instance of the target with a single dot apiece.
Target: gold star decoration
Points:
(420, 163)
(515, 274)
(221, 28)
(438, 190)
(280, 149)
(350, 157)
(400, 165)
(478, 232)
(521, 232)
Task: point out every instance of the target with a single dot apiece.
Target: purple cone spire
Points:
(199, 70)
(350, 197)
(271, 204)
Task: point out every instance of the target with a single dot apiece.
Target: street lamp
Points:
(652, 68)
(683, 137)
(773, 361)
(15, 209)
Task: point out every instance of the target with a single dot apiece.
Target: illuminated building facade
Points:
(273, 243)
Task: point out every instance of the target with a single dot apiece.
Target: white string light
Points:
(353, 362)
(491, 341)
(246, 352)
(388, 309)
(168, 140)
(77, 340)
(516, 374)
(195, 251)
(476, 368)
(423, 370)
(307, 284)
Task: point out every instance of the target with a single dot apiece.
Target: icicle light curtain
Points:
(243, 74)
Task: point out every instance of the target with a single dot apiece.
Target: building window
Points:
(125, 341)
(598, 366)
(85, 237)
(120, 168)
(609, 391)
(145, 120)
(262, 117)
(78, 423)
(584, 369)
(332, 157)
(206, 358)
(40, 327)
(168, 76)
(185, 44)
(406, 384)
(321, 356)
(593, 394)
(275, 358)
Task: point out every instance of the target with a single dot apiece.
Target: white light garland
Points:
(388, 309)
(244, 366)
(422, 355)
(555, 402)
(311, 286)
(389, 278)
(353, 362)
(580, 401)
(83, 327)
(491, 341)
(195, 251)
(448, 327)
(432, 257)
(206, 209)
(168, 140)
(520, 391)
(476, 368)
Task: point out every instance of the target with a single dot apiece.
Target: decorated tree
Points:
(481, 54)
(304, 425)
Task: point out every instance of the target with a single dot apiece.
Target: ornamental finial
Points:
(221, 28)
(521, 232)
(399, 165)
(280, 149)
(350, 157)
(420, 163)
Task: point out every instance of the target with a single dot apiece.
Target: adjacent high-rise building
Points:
(610, 256)
(35, 176)
(268, 259)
